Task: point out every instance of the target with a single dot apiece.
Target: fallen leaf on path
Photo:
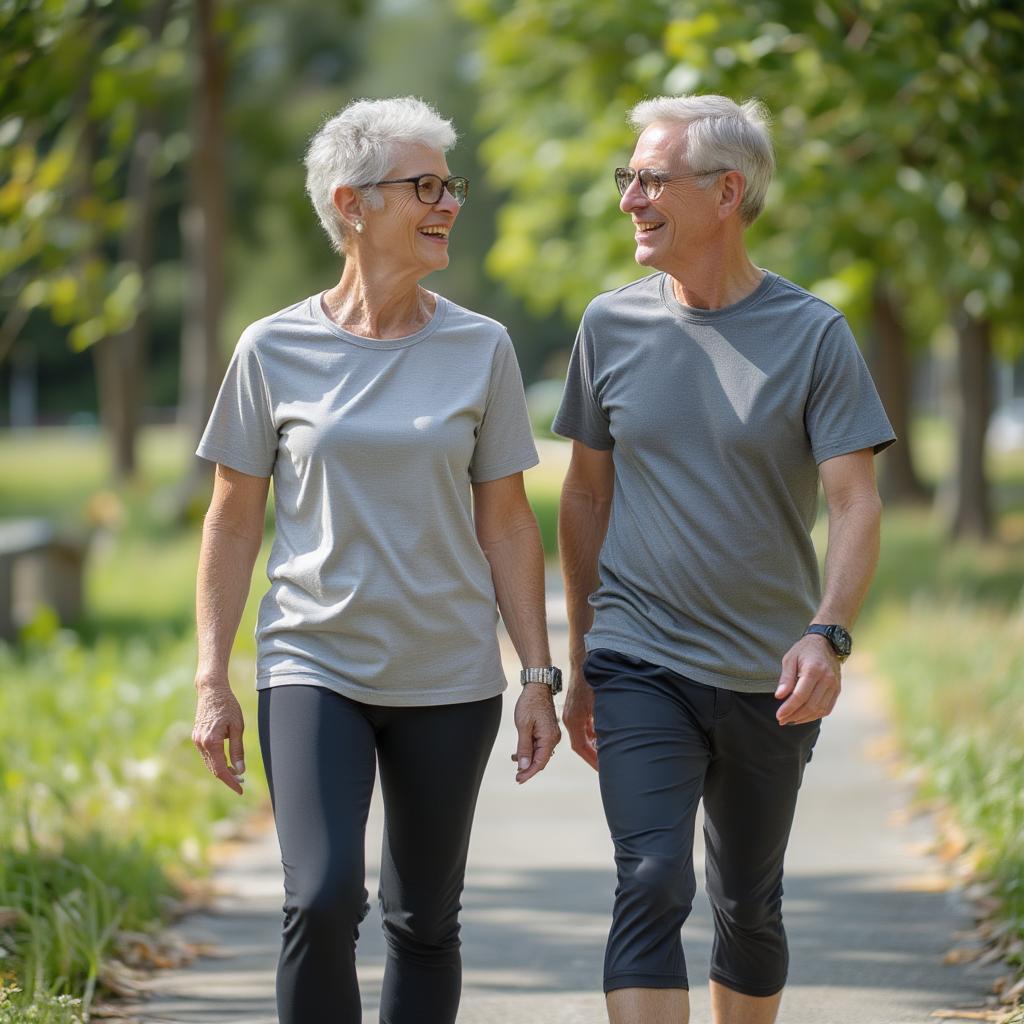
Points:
(925, 883)
(993, 1015)
(962, 955)
(1012, 994)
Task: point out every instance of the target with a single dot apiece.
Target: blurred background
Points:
(152, 204)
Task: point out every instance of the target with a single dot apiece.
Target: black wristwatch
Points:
(549, 676)
(839, 638)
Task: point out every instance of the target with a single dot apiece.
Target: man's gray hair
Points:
(719, 133)
(357, 146)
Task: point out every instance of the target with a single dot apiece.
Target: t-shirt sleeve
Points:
(504, 439)
(843, 412)
(580, 415)
(241, 433)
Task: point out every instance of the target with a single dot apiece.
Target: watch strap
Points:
(548, 675)
(837, 636)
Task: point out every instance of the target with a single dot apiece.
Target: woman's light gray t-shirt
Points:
(717, 420)
(379, 589)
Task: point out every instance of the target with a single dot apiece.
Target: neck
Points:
(376, 304)
(723, 276)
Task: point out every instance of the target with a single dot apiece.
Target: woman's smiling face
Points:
(409, 233)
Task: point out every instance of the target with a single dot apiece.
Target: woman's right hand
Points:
(219, 718)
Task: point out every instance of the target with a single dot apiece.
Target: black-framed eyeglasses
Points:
(652, 182)
(430, 187)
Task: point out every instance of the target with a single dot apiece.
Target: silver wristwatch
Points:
(550, 677)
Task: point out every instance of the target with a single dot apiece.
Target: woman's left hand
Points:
(539, 734)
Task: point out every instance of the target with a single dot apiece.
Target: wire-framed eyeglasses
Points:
(652, 182)
(430, 187)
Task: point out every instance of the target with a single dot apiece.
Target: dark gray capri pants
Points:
(664, 742)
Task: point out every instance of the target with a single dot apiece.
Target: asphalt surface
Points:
(869, 913)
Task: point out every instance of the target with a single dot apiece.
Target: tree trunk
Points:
(106, 366)
(129, 347)
(889, 360)
(972, 506)
(203, 226)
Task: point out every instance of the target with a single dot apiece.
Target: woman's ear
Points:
(349, 204)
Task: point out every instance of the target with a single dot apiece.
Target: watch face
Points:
(841, 641)
(556, 680)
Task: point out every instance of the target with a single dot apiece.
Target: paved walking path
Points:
(867, 917)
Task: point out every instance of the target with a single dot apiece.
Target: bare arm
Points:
(232, 534)
(582, 524)
(810, 681)
(508, 534)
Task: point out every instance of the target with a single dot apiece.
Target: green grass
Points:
(944, 627)
(105, 806)
(64, 473)
(44, 1010)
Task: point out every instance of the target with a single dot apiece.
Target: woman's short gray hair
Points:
(720, 133)
(356, 147)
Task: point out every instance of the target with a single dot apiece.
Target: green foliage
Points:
(132, 768)
(44, 1010)
(70, 907)
(77, 76)
(945, 629)
(103, 800)
(105, 807)
(954, 674)
(895, 127)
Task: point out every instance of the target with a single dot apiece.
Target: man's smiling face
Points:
(671, 229)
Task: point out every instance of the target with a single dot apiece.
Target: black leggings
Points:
(320, 749)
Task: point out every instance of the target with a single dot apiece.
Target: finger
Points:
(213, 755)
(787, 678)
(545, 736)
(524, 749)
(230, 780)
(797, 699)
(236, 750)
(584, 742)
(541, 756)
(813, 702)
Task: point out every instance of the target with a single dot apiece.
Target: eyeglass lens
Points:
(650, 183)
(430, 188)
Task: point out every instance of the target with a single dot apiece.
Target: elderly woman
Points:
(394, 426)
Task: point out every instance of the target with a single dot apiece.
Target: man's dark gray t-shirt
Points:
(717, 421)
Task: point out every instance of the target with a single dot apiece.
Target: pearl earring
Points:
(359, 227)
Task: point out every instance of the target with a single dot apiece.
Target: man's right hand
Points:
(578, 716)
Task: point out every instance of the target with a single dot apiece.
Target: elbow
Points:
(518, 526)
(217, 524)
(872, 507)
(582, 505)
(862, 514)
(865, 505)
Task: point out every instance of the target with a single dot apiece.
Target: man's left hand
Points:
(810, 681)
(537, 726)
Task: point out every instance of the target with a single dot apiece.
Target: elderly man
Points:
(704, 402)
